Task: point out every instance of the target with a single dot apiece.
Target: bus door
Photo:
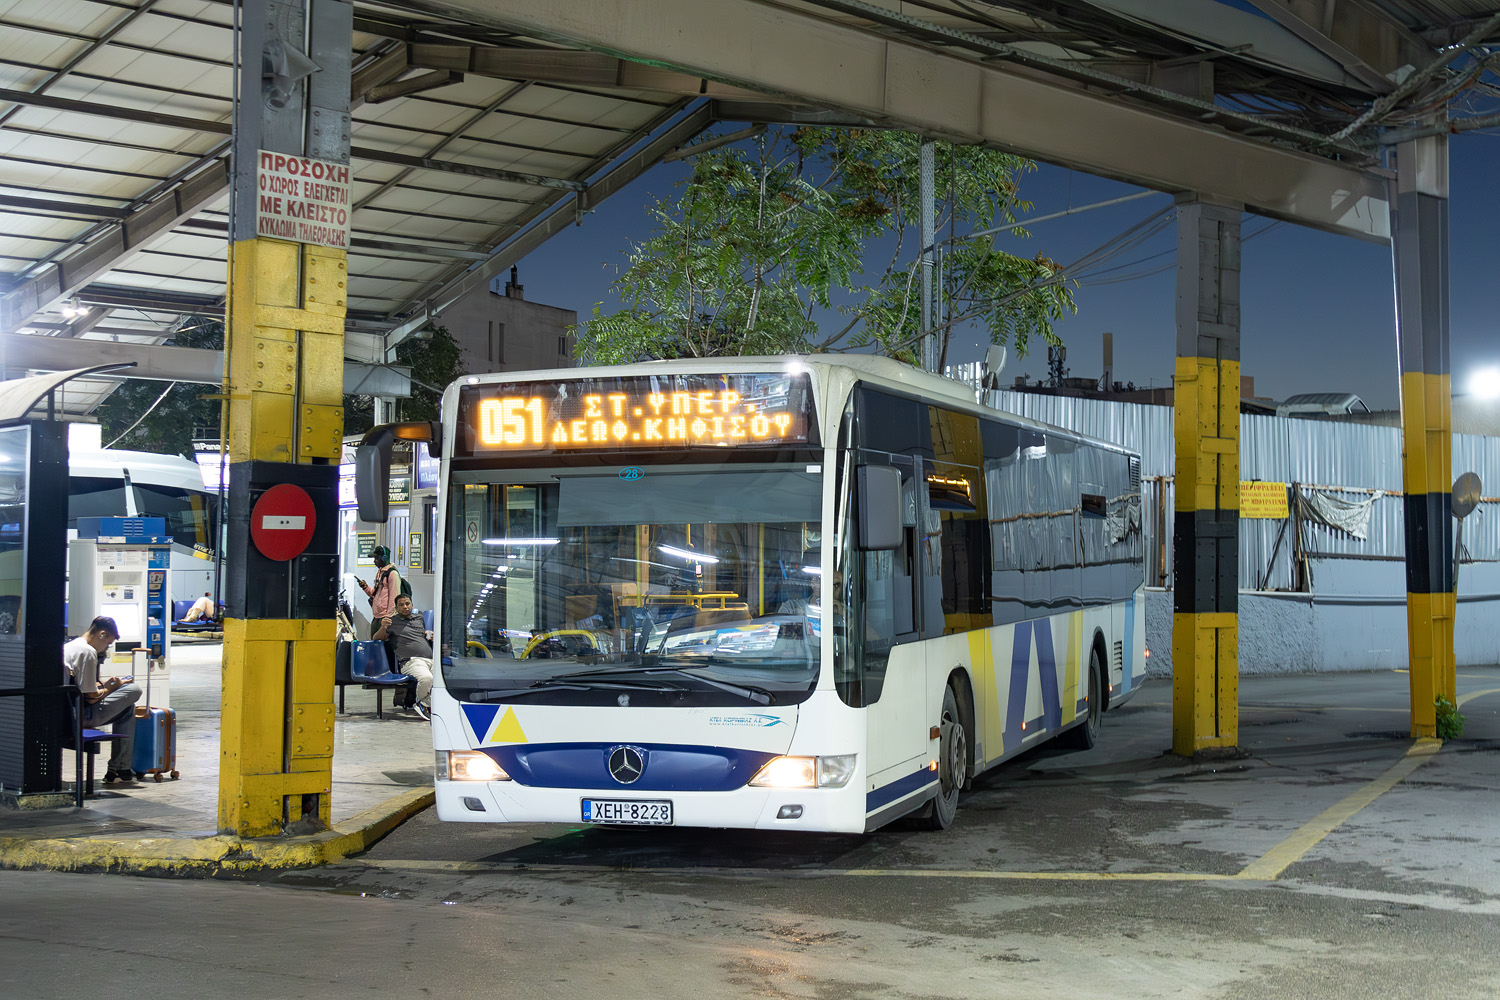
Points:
(885, 594)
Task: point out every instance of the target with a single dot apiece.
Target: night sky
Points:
(1317, 310)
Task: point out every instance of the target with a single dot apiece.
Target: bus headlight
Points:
(806, 772)
(468, 765)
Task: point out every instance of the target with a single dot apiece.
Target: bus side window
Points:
(1010, 529)
(957, 545)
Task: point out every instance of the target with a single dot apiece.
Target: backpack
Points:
(405, 584)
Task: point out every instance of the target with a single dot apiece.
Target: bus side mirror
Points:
(879, 507)
(372, 463)
(372, 474)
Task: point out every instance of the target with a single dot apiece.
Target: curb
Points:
(200, 857)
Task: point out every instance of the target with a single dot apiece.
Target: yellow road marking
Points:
(1464, 699)
(1308, 836)
(1043, 876)
(1266, 868)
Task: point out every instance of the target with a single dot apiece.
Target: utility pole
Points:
(927, 196)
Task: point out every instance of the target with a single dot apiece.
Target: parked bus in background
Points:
(805, 593)
(106, 482)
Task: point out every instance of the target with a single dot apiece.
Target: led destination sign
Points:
(642, 413)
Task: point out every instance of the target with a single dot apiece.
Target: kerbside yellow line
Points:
(1044, 876)
(470, 867)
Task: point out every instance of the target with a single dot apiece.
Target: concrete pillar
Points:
(284, 382)
(1205, 537)
(1419, 246)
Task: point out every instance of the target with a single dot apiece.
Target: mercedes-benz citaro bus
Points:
(791, 593)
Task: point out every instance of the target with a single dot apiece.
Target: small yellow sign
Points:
(1265, 500)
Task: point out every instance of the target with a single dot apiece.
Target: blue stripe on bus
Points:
(1046, 662)
(886, 794)
(668, 767)
(1020, 666)
(1127, 659)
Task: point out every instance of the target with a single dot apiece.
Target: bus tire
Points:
(1084, 735)
(953, 759)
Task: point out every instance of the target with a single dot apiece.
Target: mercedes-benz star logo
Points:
(626, 764)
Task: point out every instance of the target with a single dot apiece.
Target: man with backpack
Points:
(388, 586)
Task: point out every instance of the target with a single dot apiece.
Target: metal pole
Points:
(929, 227)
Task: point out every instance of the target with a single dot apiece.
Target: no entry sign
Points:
(282, 522)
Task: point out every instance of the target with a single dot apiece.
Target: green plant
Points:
(1450, 722)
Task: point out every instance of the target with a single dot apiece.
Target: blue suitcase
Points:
(155, 743)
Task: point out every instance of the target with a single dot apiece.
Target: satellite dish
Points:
(1465, 495)
(994, 362)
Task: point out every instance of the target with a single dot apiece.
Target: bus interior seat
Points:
(577, 607)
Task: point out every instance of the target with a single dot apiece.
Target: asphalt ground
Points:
(1334, 857)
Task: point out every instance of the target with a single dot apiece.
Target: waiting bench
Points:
(83, 742)
(366, 662)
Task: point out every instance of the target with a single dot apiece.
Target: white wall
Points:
(1305, 633)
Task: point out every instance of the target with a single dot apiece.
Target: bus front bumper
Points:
(835, 810)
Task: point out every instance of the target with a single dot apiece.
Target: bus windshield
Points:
(655, 584)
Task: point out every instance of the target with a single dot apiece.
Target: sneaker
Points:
(124, 774)
(421, 710)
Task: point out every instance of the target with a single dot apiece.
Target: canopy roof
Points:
(480, 127)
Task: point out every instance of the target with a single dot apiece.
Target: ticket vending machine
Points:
(120, 567)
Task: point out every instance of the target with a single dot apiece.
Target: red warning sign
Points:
(282, 522)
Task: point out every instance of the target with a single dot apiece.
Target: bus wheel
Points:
(953, 760)
(1086, 734)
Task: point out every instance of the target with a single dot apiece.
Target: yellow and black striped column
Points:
(1419, 245)
(284, 384)
(1205, 533)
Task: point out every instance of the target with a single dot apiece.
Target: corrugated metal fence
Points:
(1350, 461)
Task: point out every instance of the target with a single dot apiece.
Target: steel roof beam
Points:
(66, 277)
(920, 87)
(172, 364)
(415, 85)
(74, 209)
(155, 361)
(114, 111)
(583, 69)
(1369, 47)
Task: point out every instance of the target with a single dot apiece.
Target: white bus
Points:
(105, 482)
(800, 593)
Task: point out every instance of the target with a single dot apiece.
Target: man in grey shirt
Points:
(103, 702)
(412, 641)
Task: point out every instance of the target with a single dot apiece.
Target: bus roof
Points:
(146, 468)
(875, 369)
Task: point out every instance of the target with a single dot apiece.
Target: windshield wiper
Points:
(756, 694)
(541, 687)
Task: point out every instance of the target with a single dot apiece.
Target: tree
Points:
(435, 360)
(765, 252)
(147, 415)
